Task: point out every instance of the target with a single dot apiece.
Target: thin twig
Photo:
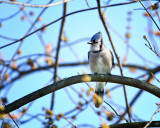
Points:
(155, 77)
(152, 118)
(108, 104)
(116, 112)
(153, 50)
(69, 96)
(83, 10)
(149, 14)
(69, 122)
(9, 116)
(22, 41)
(131, 104)
(35, 6)
(136, 97)
(7, 38)
(117, 57)
(13, 120)
(58, 49)
(14, 14)
(150, 47)
(87, 3)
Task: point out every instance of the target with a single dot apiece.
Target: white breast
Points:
(98, 64)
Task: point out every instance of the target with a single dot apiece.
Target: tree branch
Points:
(117, 57)
(79, 79)
(58, 50)
(138, 94)
(135, 125)
(25, 73)
(35, 6)
(152, 118)
(149, 15)
(83, 10)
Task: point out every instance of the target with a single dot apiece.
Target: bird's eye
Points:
(95, 42)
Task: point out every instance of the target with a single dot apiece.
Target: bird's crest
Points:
(97, 37)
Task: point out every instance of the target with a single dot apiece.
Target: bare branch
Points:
(108, 104)
(74, 126)
(155, 77)
(87, 3)
(150, 47)
(121, 116)
(135, 97)
(149, 14)
(78, 79)
(25, 73)
(58, 50)
(117, 57)
(135, 125)
(152, 118)
(83, 10)
(35, 6)
(13, 120)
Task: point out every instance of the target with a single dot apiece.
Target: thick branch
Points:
(35, 6)
(78, 79)
(24, 73)
(136, 125)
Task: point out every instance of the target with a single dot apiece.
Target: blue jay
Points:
(101, 61)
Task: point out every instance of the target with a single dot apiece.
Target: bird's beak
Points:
(89, 42)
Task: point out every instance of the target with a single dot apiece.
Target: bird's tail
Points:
(99, 93)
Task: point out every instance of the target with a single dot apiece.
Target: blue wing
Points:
(88, 55)
(113, 64)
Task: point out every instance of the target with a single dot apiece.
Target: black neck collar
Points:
(99, 49)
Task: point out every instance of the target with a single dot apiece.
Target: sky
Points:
(80, 26)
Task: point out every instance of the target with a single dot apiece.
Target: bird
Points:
(101, 61)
